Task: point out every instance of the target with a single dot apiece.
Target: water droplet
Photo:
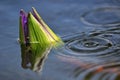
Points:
(91, 44)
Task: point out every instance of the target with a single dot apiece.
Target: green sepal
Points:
(52, 37)
(21, 32)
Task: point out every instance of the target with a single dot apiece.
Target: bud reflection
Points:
(33, 58)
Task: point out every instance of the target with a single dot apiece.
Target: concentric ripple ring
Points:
(101, 44)
(103, 72)
(105, 16)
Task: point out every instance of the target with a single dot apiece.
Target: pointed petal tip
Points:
(29, 14)
(33, 8)
(21, 11)
(34, 11)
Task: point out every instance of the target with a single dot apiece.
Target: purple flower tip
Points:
(23, 16)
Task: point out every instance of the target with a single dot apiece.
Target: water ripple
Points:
(116, 2)
(105, 16)
(103, 72)
(102, 46)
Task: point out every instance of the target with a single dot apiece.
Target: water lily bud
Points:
(34, 30)
(36, 40)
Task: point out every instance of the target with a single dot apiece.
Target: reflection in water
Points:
(106, 16)
(96, 54)
(33, 58)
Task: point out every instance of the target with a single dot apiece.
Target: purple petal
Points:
(24, 23)
(24, 16)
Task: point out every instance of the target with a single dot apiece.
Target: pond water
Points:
(90, 30)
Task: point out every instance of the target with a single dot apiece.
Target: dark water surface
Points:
(90, 30)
